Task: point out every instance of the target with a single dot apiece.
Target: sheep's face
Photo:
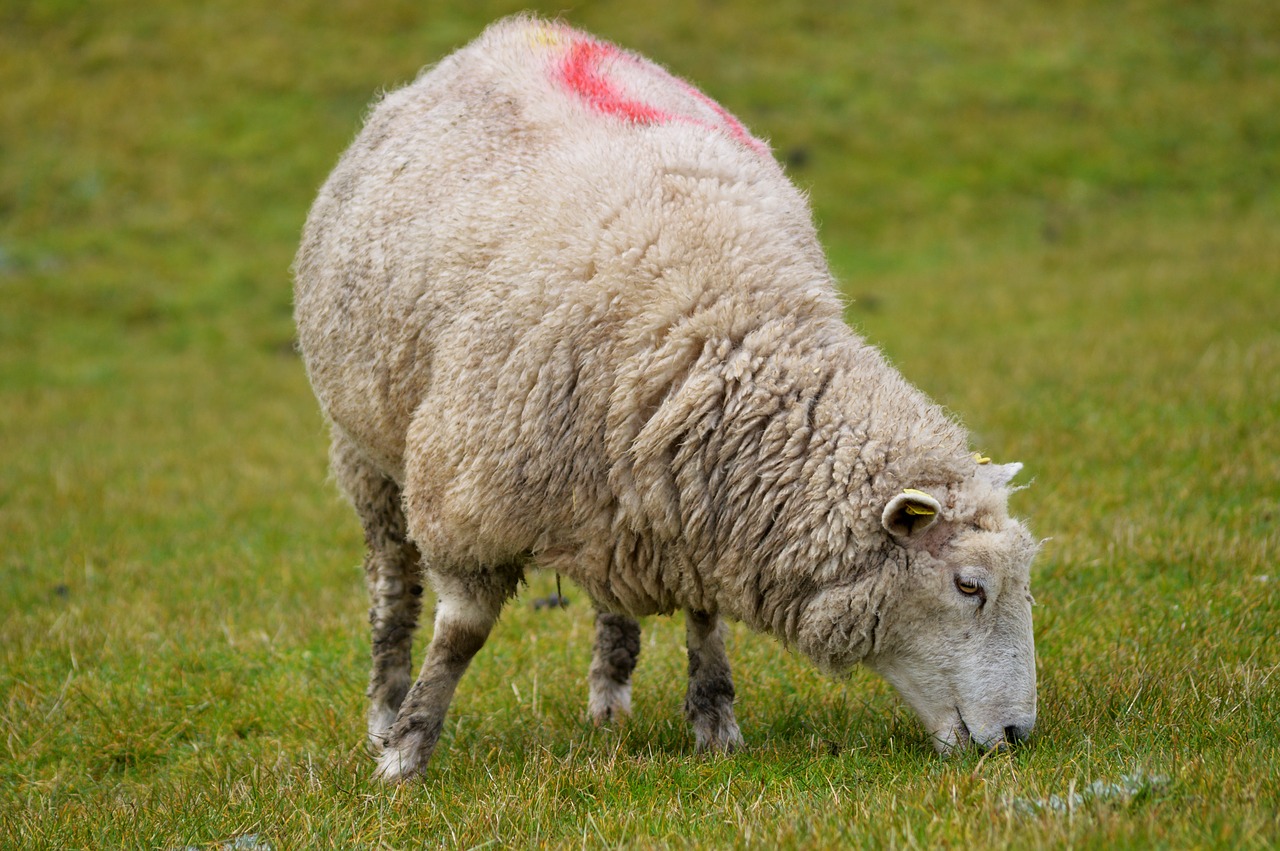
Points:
(956, 638)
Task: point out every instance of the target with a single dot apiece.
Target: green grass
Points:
(1062, 220)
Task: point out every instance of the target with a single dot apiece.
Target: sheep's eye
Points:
(967, 586)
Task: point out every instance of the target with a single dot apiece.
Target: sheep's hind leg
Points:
(393, 576)
(614, 658)
(708, 704)
(467, 606)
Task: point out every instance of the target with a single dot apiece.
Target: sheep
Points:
(561, 310)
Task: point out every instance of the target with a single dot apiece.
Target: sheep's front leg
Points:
(393, 576)
(709, 702)
(467, 606)
(612, 661)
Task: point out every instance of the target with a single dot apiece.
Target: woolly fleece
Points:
(582, 319)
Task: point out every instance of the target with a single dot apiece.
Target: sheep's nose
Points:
(1015, 733)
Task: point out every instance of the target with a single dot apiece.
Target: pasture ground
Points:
(1062, 220)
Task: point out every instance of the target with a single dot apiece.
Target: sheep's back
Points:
(536, 190)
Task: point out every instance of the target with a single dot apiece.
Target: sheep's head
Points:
(956, 639)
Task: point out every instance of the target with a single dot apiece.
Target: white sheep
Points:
(562, 310)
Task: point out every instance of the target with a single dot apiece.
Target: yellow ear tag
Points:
(918, 510)
(979, 458)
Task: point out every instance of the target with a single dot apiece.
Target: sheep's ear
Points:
(910, 513)
(998, 475)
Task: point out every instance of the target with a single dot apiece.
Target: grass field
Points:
(1062, 220)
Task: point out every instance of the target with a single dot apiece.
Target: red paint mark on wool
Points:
(733, 125)
(583, 74)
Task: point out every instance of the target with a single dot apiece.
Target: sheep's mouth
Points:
(963, 737)
(955, 736)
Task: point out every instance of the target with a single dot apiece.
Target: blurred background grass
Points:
(1062, 220)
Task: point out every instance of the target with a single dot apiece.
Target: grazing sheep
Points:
(561, 309)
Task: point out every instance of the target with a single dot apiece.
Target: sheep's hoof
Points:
(380, 721)
(401, 761)
(718, 737)
(609, 704)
